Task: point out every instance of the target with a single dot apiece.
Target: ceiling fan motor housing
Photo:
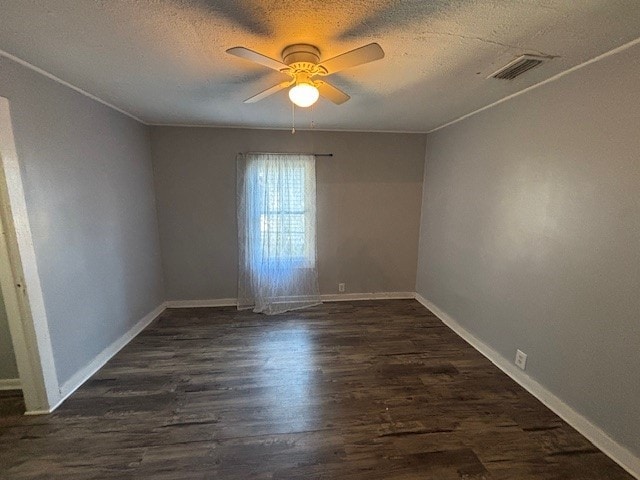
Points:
(301, 57)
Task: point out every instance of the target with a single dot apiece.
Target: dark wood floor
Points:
(362, 390)
(11, 404)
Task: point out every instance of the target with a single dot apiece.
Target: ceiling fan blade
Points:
(257, 58)
(353, 58)
(332, 93)
(267, 92)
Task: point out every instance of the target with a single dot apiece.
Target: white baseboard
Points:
(103, 357)
(10, 384)
(619, 454)
(339, 297)
(212, 302)
(346, 297)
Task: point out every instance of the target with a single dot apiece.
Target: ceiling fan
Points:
(302, 63)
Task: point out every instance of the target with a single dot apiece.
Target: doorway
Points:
(20, 283)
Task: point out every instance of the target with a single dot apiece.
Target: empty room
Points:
(278, 240)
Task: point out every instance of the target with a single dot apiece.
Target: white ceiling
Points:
(164, 61)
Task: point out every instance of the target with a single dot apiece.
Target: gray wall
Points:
(88, 183)
(8, 368)
(530, 236)
(368, 206)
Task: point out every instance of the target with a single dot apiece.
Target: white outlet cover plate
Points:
(521, 359)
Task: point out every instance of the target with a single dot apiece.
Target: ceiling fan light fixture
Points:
(304, 94)
(300, 63)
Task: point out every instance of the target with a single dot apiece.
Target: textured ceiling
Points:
(164, 61)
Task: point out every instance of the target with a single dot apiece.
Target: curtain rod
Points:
(288, 153)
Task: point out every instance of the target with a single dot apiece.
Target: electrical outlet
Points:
(521, 359)
(341, 287)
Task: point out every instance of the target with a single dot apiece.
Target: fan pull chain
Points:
(293, 118)
(313, 111)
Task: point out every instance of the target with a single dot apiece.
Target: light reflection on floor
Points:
(288, 355)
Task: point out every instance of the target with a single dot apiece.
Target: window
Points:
(280, 201)
(277, 232)
(283, 217)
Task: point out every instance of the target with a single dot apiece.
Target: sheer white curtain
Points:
(276, 204)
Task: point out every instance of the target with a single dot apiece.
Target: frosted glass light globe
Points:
(304, 94)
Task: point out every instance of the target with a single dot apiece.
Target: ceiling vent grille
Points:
(517, 67)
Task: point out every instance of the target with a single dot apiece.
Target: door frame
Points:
(20, 282)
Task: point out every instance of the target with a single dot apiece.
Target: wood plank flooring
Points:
(349, 390)
(11, 403)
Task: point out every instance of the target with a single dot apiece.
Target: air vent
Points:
(518, 67)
